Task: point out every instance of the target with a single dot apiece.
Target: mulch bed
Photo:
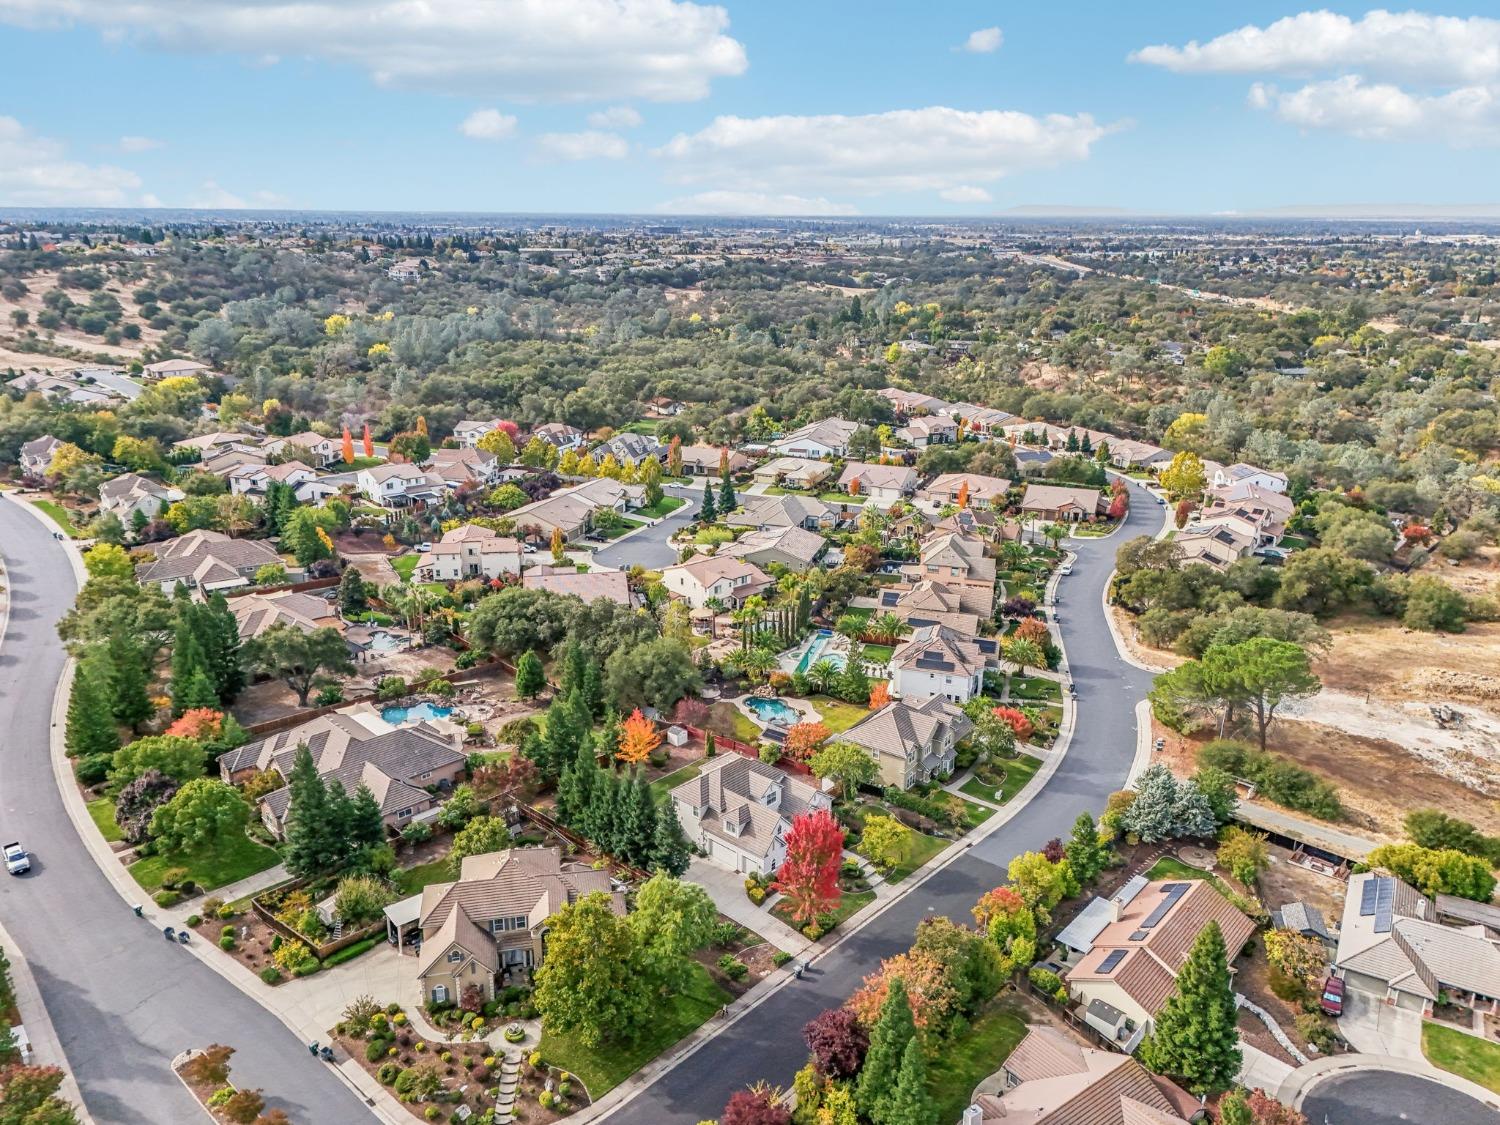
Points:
(253, 940)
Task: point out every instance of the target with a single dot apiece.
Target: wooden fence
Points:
(724, 742)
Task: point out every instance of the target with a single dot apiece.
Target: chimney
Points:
(1115, 909)
(973, 1115)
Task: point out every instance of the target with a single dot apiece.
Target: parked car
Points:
(17, 862)
(424, 546)
(1065, 570)
(1332, 1000)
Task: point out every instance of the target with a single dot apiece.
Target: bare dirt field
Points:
(39, 284)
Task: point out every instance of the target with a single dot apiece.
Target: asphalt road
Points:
(767, 1042)
(650, 548)
(123, 1001)
(1386, 1097)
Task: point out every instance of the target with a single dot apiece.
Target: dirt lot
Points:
(1372, 655)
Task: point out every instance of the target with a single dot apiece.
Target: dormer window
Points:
(455, 956)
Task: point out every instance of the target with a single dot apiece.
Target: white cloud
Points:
(966, 193)
(134, 144)
(933, 149)
(488, 125)
(36, 172)
(213, 197)
(615, 117)
(984, 41)
(1466, 117)
(526, 50)
(1414, 46)
(753, 203)
(587, 145)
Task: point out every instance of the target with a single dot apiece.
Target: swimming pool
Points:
(774, 711)
(815, 651)
(417, 713)
(381, 641)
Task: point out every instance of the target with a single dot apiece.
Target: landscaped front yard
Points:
(59, 516)
(972, 1057)
(838, 716)
(664, 507)
(404, 565)
(234, 859)
(102, 813)
(603, 1068)
(1462, 1054)
(999, 781)
(917, 850)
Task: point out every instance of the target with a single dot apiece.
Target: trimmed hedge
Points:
(350, 952)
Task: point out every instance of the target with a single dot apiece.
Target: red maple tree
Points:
(804, 738)
(809, 875)
(199, 723)
(880, 695)
(1017, 721)
(1117, 507)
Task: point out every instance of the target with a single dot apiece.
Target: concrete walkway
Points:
(253, 884)
(1260, 1071)
(727, 889)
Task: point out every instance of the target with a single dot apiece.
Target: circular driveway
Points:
(1385, 1097)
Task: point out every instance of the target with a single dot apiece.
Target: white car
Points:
(424, 546)
(17, 862)
(1065, 569)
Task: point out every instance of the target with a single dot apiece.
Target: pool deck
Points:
(806, 712)
(835, 648)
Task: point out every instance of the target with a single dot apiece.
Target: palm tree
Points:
(1054, 532)
(887, 626)
(1024, 654)
(757, 663)
(1012, 553)
(822, 674)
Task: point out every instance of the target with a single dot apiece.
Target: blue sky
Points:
(827, 106)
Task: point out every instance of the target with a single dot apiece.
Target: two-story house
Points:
(959, 562)
(470, 551)
(468, 432)
(738, 811)
(937, 660)
(398, 486)
(715, 578)
(315, 449)
(36, 455)
(912, 741)
(129, 493)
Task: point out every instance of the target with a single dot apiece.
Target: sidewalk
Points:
(253, 884)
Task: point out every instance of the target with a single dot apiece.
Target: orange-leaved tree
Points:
(369, 442)
(963, 494)
(638, 737)
(880, 695)
(802, 739)
(348, 447)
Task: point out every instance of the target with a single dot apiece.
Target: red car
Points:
(1332, 1000)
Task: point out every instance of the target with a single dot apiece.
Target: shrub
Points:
(1278, 779)
(212, 905)
(226, 942)
(514, 1033)
(375, 1050)
(480, 1074)
(193, 920)
(387, 1072)
(780, 958)
(294, 955)
(390, 687)
(270, 974)
(166, 898)
(174, 877)
(350, 952)
(225, 912)
(432, 1113)
(732, 967)
(1317, 1031)
(1047, 982)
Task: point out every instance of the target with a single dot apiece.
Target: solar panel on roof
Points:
(1109, 964)
(1367, 897)
(1384, 900)
(1171, 892)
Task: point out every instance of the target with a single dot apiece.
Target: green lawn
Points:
(725, 714)
(1170, 867)
(357, 464)
(1462, 1054)
(1017, 773)
(878, 654)
(236, 858)
(59, 516)
(626, 524)
(410, 880)
(849, 905)
(917, 851)
(838, 716)
(973, 1057)
(1033, 688)
(641, 426)
(975, 815)
(404, 565)
(601, 1069)
(665, 506)
(102, 813)
(664, 785)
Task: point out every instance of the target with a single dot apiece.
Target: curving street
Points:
(123, 1001)
(766, 1043)
(1383, 1097)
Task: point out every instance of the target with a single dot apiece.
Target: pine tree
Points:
(1194, 1041)
(220, 635)
(90, 728)
(854, 683)
(366, 825)
(574, 667)
(907, 1102)
(888, 1039)
(189, 665)
(352, 597)
(638, 832)
(198, 692)
(593, 688)
(531, 678)
(670, 850)
(1085, 855)
(575, 790)
(129, 702)
(307, 819)
(709, 512)
(727, 499)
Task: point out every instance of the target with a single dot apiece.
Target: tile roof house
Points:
(493, 918)
(224, 460)
(703, 460)
(826, 438)
(883, 484)
(938, 661)
(206, 560)
(793, 472)
(172, 368)
(1061, 502)
(628, 448)
(927, 603)
(930, 429)
(706, 577)
(981, 422)
(783, 511)
(468, 432)
(459, 467)
(912, 742)
(738, 811)
(470, 551)
(572, 509)
(254, 479)
(399, 485)
(1216, 545)
(1242, 473)
(590, 586)
(792, 547)
(911, 403)
(255, 613)
(321, 451)
(1050, 1079)
(1126, 453)
(1132, 964)
(36, 455)
(129, 493)
(559, 436)
(1392, 948)
(984, 492)
(959, 562)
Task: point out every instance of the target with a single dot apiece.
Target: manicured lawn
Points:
(849, 905)
(973, 1057)
(917, 850)
(357, 464)
(665, 506)
(102, 813)
(603, 1068)
(664, 785)
(59, 516)
(236, 858)
(626, 524)
(1170, 867)
(1462, 1054)
(975, 815)
(410, 880)
(1033, 688)
(726, 714)
(1017, 773)
(404, 565)
(836, 497)
(641, 426)
(878, 654)
(838, 716)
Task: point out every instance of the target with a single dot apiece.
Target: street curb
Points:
(1295, 1089)
(1143, 743)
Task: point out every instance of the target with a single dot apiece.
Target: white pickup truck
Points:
(17, 862)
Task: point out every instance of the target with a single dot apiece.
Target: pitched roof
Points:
(594, 584)
(255, 613)
(207, 555)
(796, 542)
(834, 433)
(939, 648)
(777, 511)
(708, 569)
(947, 486)
(732, 789)
(1052, 497)
(877, 476)
(902, 725)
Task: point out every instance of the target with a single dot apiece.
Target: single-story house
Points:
(255, 613)
(912, 403)
(1242, 473)
(175, 368)
(589, 586)
(826, 438)
(738, 811)
(792, 547)
(207, 561)
(793, 472)
(883, 484)
(983, 492)
(1061, 502)
(783, 511)
(704, 460)
(572, 509)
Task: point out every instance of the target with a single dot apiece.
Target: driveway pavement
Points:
(649, 548)
(1380, 1029)
(728, 892)
(123, 1001)
(766, 1042)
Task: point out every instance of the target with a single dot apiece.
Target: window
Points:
(440, 994)
(455, 956)
(403, 814)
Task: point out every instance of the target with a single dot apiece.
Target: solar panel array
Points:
(934, 663)
(1170, 894)
(1109, 964)
(1385, 898)
(1367, 896)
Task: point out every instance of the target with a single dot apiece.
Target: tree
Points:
(90, 729)
(105, 560)
(138, 800)
(651, 481)
(299, 660)
(848, 765)
(198, 816)
(311, 828)
(802, 739)
(1041, 883)
(809, 875)
(480, 836)
(591, 983)
(655, 673)
(1270, 672)
(1243, 854)
(1437, 871)
(299, 534)
(838, 1042)
(1432, 606)
(907, 1102)
(353, 598)
(128, 679)
(1167, 809)
(346, 447)
(1184, 478)
(1194, 1041)
(709, 511)
(517, 619)
(674, 457)
(638, 738)
(507, 498)
(727, 499)
(671, 920)
(1024, 654)
(531, 678)
(994, 736)
(559, 547)
(893, 1030)
(759, 1105)
(1011, 925)
(1085, 854)
(500, 444)
(1297, 955)
(1434, 829)
(1218, 789)
(882, 841)
(1257, 1108)
(181, 759)
(880, 695)
(28, 1096)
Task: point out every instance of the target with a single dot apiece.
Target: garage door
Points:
(726, 855)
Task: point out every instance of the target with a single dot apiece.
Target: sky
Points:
(813, 107)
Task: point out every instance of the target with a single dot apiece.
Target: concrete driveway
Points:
(1373, 1028)
(727, 889)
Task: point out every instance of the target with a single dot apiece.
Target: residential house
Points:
(664, 407)
(927, 430)
(1260, 512)
(959, 562)
(463, 467)
(983, 492)
(1393, 950)
(1125, 453)
(255, 613)
(470, 551)
(407, 269)
(793, 472)
(222, 462)
(399, 485)
(493, 918)
(206, 560)
(175, 368)
(706, 578)
(1131, 965)
(1060, 502)
(1217, 545)
(879, 484)
(559, 436)
(823, 439)
(927, 603)
(254, 479)
(64, 386)
(1051, 1079)
(791, 547)
(129, 493)
(911, 404)
(912, 741)
(1241, 473)
(980, 422)
(312, 448)
(938, 661)
(631, 449)
(571, 510)
(36, 455)
(783, 511)
(704, 460)
(739, 810)
(468, 432)
(206, 445)
(589, 586)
